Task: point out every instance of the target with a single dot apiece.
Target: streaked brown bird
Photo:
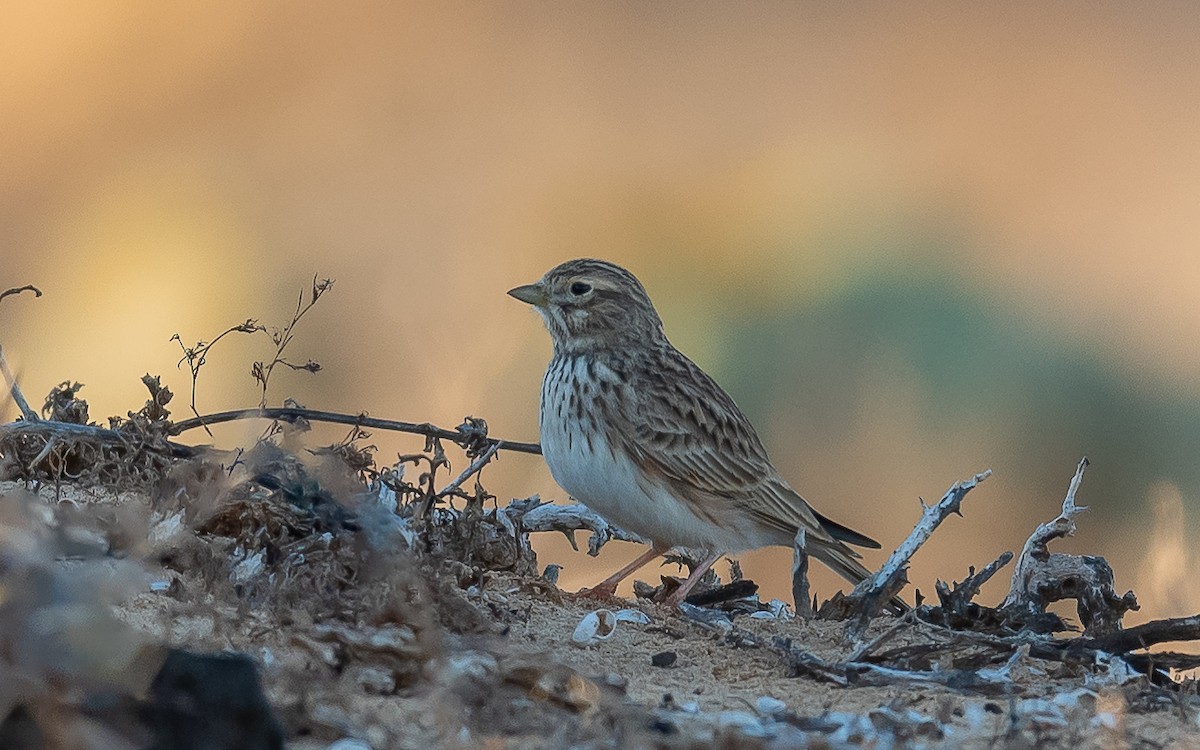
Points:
(636, 431)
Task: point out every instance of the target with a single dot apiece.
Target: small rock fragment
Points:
(663, 659)
(768, 706)
(614, 681)
(375, 681)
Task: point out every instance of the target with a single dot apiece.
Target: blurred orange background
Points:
(913, 241)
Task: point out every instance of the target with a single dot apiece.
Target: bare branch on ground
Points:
(874, 593)
(287, 414)
(1042, 577)
(567, 519)
(801, 598)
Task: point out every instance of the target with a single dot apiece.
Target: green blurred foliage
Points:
(1037, 398)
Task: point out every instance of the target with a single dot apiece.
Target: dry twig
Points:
(956, 600)
(197, 356)
(18, 289)
(872, 594)
(288, 414)
(281, 337)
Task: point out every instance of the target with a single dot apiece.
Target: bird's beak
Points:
(533, 294)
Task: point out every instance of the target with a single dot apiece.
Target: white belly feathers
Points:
(583, 463)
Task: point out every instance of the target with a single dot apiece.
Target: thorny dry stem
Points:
(869, 596)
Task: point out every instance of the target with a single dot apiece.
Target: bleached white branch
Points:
(931, 517)
(567, 519)
(1034, 554)
(1042, 577)
(800, 590)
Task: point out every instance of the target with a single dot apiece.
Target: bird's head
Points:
(592, 304)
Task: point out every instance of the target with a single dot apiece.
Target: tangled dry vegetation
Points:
(158, 595)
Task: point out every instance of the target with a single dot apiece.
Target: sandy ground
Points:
(404, 654)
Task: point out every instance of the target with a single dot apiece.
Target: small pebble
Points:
(744, 722)
(663, 659)
(768, 706)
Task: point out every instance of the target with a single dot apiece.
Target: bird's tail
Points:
(844, 561)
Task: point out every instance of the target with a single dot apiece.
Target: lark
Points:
(637, 432)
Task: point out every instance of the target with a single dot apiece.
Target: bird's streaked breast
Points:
(600, 475)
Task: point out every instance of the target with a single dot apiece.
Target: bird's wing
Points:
(684, 431)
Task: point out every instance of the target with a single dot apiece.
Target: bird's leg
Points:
(678, 595)
(608, 587)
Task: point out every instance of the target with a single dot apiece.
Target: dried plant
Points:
(281, 337)
(197, 356)
(62, 404)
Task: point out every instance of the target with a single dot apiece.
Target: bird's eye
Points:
(580, 288)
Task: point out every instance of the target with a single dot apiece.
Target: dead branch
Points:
(567, 519)
(871, 595)
(1042, 577)
(987, 681)
(50, 429)
(865, 649)
(1034, 553)
(289, 414)
(995, 681)
(955, 600)
(474, 468)
(18, 289)
(1139, 636)
(801, 599)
